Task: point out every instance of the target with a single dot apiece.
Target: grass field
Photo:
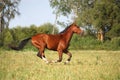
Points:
(85, 65)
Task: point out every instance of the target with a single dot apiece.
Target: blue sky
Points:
(35, 12)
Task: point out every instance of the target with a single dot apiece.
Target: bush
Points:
(88, 42)
(115, 31)
(115, 43)
(91, 43)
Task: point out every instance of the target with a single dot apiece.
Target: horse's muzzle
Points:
(82, 33)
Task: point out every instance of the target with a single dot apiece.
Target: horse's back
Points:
(38, 40)
(48, 41)
(38, 37)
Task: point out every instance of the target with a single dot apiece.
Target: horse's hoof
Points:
(67, 62)
(54, 61)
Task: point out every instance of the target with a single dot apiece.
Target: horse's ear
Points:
(74, 24)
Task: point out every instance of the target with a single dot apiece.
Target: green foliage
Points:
(88, 42)
(7, 37)
(91, 43)
(18, 34)
(114, 32)
(15, 35)
(115, 43)
(61, 6)
(47, 28)
(105, 13)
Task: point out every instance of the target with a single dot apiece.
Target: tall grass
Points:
(85, 65)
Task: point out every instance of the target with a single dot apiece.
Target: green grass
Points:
(85, 65)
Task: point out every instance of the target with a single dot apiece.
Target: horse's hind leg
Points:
(41, 50)
(39, 55)
(42, 55)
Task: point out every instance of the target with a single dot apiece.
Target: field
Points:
(85, 65)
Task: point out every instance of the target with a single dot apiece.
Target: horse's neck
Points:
(68, 35)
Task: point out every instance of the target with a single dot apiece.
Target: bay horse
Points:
(57, 42)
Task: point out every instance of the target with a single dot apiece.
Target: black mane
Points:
(65, 29)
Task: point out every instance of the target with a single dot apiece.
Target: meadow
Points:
(85, 65)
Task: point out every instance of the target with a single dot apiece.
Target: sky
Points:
(35, 12)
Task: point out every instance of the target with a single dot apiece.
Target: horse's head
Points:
(77, 29)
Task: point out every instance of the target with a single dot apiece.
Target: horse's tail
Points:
(21, 45)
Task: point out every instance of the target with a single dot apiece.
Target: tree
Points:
(8, 12)
(64, 8)
(1, 8)
(1, 5)
(101, 14)
(105, 15)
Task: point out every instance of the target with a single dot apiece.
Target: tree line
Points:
(87, 42)
(16, 34)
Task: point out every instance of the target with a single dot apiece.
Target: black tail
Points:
(21, 45)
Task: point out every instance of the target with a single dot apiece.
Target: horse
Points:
(56, 42)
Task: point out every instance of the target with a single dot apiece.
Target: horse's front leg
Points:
(70, 56)
(60, 53)
(42, 55)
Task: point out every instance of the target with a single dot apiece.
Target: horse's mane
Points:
(65, 29)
